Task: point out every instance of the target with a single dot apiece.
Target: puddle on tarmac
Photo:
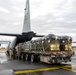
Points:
(71, 67)
(6, 72)
(3, 58)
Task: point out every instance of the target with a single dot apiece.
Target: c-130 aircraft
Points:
(27, 34)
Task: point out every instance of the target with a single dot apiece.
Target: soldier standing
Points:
(11, 54)
(17, 49)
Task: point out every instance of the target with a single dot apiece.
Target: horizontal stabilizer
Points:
(10, 34)
(39, 36)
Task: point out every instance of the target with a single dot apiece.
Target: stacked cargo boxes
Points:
(49, 49)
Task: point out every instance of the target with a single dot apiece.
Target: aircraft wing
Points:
(10, 34)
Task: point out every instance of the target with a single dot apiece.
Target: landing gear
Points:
(26, 57)
(32, 58)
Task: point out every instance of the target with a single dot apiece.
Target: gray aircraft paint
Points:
(26, 25)
(12, 44)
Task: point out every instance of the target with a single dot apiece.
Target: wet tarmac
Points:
(16, 67)
(3, 57)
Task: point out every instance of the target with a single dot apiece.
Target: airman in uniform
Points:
(11, 54)
(17, 51)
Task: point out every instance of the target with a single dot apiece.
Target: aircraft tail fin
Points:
(26, 24)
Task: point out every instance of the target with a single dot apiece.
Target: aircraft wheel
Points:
(32, 58)
(26, 57)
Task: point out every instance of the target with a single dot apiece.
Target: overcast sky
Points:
(47, 16)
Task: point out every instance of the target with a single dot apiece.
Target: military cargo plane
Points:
(27, 34)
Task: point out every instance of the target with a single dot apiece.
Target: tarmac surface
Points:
(17, 67)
